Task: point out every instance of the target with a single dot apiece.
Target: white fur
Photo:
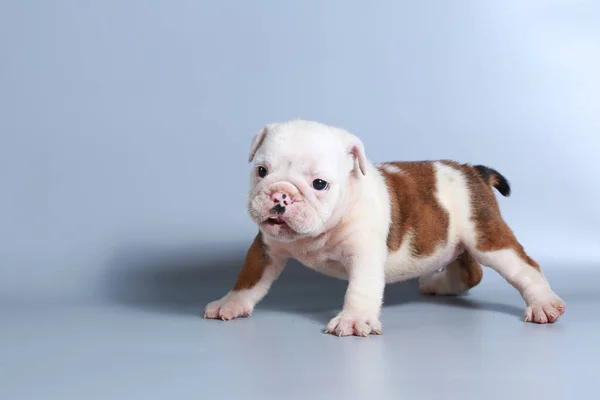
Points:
(342, 231)
(391, 168)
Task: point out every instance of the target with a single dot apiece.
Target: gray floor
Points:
(148, 341)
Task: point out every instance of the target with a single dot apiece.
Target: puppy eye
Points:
(262, 172)
(320, 184)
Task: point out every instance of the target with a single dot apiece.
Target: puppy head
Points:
(304, 175)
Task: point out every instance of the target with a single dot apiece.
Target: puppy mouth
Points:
(275, 221)
(276, 226)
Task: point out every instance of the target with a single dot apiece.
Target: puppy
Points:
(317, 198)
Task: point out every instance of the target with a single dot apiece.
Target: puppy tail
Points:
(494, 179)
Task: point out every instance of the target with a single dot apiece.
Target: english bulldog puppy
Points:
(317, 198)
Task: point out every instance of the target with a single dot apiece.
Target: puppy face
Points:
(303, 173)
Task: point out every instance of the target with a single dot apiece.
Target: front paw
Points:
(349, 323)
(545, 308)
(227, 308)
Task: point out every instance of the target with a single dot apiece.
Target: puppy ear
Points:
(357, 150)
(257, 141)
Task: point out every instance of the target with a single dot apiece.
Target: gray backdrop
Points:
(124, 133)
(128, 123)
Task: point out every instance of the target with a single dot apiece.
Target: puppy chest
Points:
(320, 259)
(329, 267)
(314, 260)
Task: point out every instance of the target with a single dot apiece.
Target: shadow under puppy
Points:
(317, 198)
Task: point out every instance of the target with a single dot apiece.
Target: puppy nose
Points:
(282, 199)
(278, 209)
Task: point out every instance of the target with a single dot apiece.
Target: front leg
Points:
(260, 270)
(364, 296)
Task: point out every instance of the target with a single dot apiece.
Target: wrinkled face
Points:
(301, 180)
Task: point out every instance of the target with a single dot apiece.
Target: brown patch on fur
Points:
(493, 233)
(415, 207)
(470, 271)
(255, 263)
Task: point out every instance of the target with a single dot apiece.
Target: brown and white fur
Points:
(373, 225)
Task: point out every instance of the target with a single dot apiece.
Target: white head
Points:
(304, 177)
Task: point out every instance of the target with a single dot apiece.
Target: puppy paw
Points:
(544, 309)
(227, 308)
(349, 323)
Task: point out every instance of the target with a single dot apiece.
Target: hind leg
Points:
(458, 277)
(500, 250)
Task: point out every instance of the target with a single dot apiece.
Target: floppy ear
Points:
(357, 150)
(257, 141)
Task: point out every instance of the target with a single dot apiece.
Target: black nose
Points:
(278, 209)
